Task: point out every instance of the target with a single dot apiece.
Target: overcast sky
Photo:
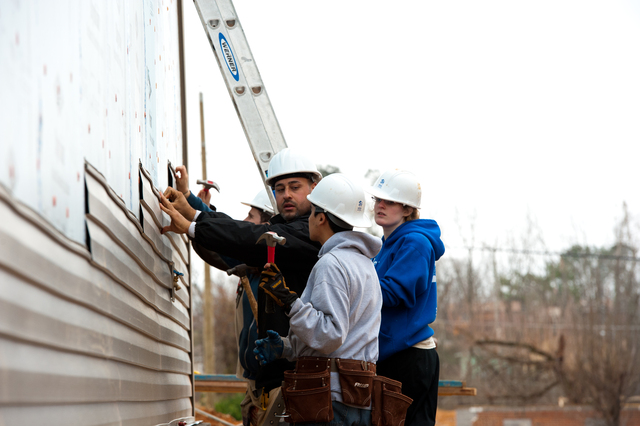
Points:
(506, 110)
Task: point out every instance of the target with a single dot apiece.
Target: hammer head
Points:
(208, 184)
(271, 238)
(242, 270)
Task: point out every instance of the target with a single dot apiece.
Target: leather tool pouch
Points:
(389, 404)
(307, 392)
(356, 382)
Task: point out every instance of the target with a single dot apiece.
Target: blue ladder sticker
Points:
(229, 57)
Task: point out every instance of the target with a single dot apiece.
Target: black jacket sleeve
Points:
(237, 239)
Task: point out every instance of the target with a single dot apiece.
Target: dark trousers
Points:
(419, 371)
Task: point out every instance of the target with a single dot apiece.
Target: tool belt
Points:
(389, 406)
(307, 391)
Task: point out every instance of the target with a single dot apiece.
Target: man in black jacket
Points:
(292, 177)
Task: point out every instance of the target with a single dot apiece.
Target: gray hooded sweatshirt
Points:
(338, 313)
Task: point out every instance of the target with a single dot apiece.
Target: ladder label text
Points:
(229, 57)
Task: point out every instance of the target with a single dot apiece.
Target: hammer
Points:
(271, 239)
(241, 271)
(208, 184)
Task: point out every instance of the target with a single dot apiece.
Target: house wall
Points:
(95, 323)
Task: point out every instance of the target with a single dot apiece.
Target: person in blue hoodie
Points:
(407, 272)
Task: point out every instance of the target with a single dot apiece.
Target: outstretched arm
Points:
(237, 239)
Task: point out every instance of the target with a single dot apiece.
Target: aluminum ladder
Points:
(241, 75)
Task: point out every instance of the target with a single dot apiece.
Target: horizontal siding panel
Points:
(151, 230)
(125, 229)
(178, 260)
(172, 332)
(150, 200)
(118, 262)
(101, 414)
(166, 243)
(163, 241)
(30, 373)
(70, 275)
(91, 336)
(68, 326)
(100, 192)
(150, 203)
(178, 245)
(181, 267)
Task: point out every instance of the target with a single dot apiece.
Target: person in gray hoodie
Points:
(338, 313)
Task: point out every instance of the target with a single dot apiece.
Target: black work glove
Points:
(272, 282)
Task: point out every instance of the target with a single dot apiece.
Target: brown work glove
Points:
(272, 282)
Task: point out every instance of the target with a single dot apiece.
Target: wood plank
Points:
(454, 388)
(451, 384)
(229, 383)
(238, 387)
(223, 383)
(221, 387)
(217, 377)
(451, 391)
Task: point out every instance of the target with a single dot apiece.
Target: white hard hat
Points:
(288, 162)
(261, 201)
(341, 197)
(400, 186)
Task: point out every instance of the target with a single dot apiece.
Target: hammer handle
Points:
(252, 300)
(270, 306)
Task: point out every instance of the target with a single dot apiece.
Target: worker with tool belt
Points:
(246, 327)
(292, 177)
(260, 212)
(334, 323)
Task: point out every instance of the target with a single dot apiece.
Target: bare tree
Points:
(579, 334)
(224, 295)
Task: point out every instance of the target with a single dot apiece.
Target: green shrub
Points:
(231, 405)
